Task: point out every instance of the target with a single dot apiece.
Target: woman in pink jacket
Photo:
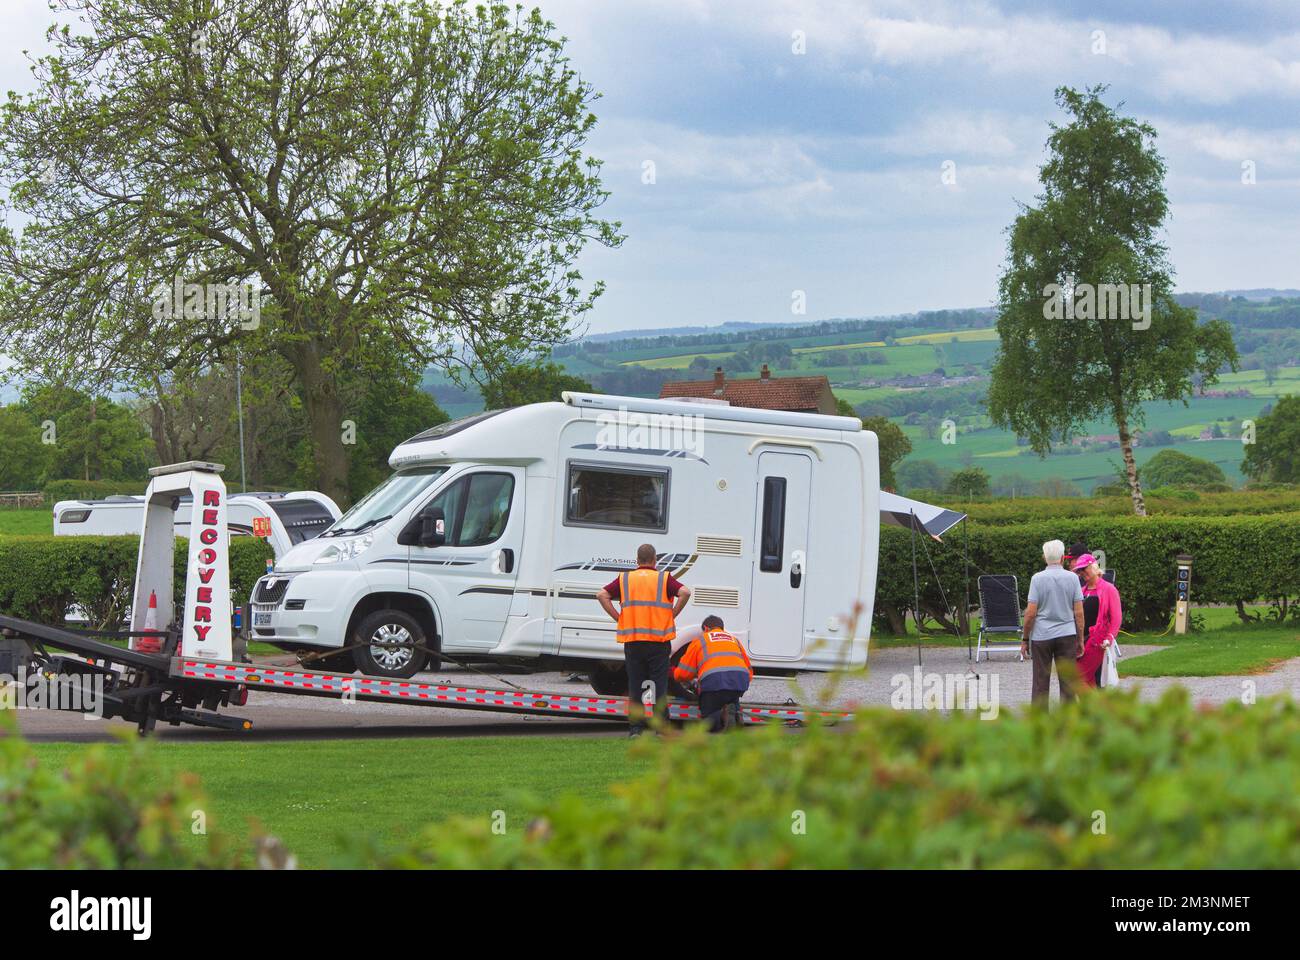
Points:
(1105, 628)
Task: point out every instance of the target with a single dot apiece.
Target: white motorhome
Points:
(287, 518)
(496, 531)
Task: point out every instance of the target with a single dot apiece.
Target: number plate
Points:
(261, 619)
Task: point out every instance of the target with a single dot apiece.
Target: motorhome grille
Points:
(715, 596)
(271, 591)
(718, 546)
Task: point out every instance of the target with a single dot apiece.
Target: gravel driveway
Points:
(276, 716)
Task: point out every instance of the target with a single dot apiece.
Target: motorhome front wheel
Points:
(390, 643)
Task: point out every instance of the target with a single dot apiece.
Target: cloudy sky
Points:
(800, 145)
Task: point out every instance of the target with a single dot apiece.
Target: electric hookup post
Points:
(1183, 587)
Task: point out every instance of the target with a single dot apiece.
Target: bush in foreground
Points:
(107, 809)
(1111, 783)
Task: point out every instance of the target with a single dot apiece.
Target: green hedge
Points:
(40, 577)
(57, 490)
(1241, 558)
(1108, 783)
(1180, 502)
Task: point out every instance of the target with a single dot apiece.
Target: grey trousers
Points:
(1063, 651)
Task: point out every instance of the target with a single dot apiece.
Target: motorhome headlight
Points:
(346, 549)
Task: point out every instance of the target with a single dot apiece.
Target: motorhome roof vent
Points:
(717, 546)
(453, 426)
(203, 466)
(715, 596)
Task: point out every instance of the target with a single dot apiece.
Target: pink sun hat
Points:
(1084, 562)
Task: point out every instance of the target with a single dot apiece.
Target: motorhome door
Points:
(472, 575)
(780, 555)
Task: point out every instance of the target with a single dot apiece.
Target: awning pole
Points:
(965, 522)
(916, 592)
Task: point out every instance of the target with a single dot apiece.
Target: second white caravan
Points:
(287, 518)
(495, 532)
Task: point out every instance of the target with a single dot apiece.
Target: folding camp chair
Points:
(999, 613)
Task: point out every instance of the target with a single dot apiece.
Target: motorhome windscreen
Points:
(385, 500)
(618, 497)
(302, 519)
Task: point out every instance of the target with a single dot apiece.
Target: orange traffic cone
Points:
(150, 644)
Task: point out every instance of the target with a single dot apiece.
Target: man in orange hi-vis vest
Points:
(648, 603)
(719, 665)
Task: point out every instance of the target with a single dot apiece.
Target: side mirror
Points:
(433, 528)
(426, 529)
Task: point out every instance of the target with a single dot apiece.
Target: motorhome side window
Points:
(773, 545)
(476, 508)
(613, 497)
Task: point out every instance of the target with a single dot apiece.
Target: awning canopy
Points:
(913, 514)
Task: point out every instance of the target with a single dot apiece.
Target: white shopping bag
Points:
(1109, 669)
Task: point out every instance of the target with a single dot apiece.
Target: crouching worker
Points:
(716, 662)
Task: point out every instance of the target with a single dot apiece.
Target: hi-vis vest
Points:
(645, 612)
(715, 653)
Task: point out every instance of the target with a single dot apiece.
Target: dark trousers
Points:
(1063, 651)
(720, 709)
(647, 675)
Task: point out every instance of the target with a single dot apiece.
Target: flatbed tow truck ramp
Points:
(198, 668)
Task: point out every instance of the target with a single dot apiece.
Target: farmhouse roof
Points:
(764, 392)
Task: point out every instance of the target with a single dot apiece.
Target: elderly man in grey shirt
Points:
(1054, 624)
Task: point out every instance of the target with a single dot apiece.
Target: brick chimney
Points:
(765, 374)
(717, 380)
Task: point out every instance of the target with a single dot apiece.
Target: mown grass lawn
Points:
(317, 796)
(1226, 651)
(1224, 646)
(22, 522)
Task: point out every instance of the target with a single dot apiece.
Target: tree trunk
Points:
(324, 409)
(897, 621)
(1130, 465)
(91, 438)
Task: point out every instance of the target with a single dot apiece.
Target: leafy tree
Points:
(23, 456)
(404, 175)
(1010, 485)
(777, 354)
(1171, 468)
(1275, 454)
(94, 438)
(1096, 222)
(1175, 468)
(969, 482)
(388, 413)
(893, 443)
(523, 383)
(1057, 488)
(921, 474)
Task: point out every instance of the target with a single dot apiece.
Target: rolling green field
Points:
(915, 351)
(320, 796)
(989, 334)
(996, 451)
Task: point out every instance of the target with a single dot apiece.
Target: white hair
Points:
(1053, 551)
